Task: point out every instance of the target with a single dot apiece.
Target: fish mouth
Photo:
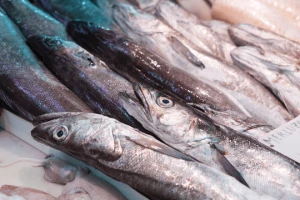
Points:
(139, 104)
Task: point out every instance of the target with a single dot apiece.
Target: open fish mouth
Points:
(139, 106)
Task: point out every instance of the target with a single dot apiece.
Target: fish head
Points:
(69, 51)
(169, 119)
(82, 135)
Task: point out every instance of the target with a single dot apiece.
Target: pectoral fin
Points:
(227, 166)
(181, 49)
(155, 145)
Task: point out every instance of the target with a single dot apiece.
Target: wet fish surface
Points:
(147, 30)
(32, 20)
(96, 84)
(138, 64)
(190, 27)
(135, 158)
(275, 73)
(200, 8)
(85, 10)
(248, 35)
(264, 170)
(27, 88)
(24, 193)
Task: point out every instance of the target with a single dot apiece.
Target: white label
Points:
(285, 139)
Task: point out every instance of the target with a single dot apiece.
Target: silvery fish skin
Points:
(135, 158)
(264, 170)
(248, 35)
(85, 10)
(96, 84)
(147, 30)
(138, 64)
(31, 20)
(24, 193)
(190, 27)
(220, 27)
(273, 72)
(27, 88)
(145, 5)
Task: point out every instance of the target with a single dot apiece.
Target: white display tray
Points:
(21, 129)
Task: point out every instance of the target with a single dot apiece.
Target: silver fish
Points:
(190, 27)
(255, 99)
(265, 171)
(274, 72)
(135, 158)
(245, 34)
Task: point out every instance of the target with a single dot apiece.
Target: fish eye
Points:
(61, 133)
(164, 102)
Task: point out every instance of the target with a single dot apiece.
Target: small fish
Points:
(56, 170)
(256, 13)
(31, 20)
(27, 87)
(248, 35)
(85, 10)
(263, 169)
(277, 74)
(24, 193)
(96, 84)
(136, 159)
(86, 184)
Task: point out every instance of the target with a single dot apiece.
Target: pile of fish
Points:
(159, 95)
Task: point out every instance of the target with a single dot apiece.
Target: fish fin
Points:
(181, 49)
(228, 167)
(51, 116)
(146, 141)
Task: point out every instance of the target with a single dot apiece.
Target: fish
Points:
(145, 5)
(257, 14)
(190, 27)
(24, 193)
(272, 72)
(32, 20)
(27, 88)
(221, 28)
(96, 84)
(264, 170)
(56, 170)
(251, 96)
(248, 35)
(95, 188)
(136, 159)
(85, 10)
(140, 65)
(200, 8)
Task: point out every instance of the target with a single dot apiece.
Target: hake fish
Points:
(138, 64)
(85, 10)
(147, 30)
(264, 170)
(136, 159)
(256, 13)
(27, 88)
(277, 74)
(96, 84)
(190, 27)
(248, 35)
(32, 20)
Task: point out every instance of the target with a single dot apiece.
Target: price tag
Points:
(285, 139)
